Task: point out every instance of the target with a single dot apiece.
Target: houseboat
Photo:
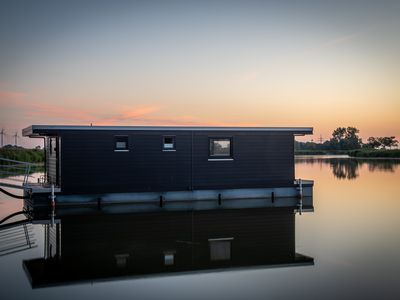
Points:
(169, 168)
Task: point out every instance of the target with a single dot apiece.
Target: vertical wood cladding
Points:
(259, 160)
(51, 159)
(90, 164)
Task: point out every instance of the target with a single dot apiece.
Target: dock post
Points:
(219, 199)
(300, 196)
(272, 197)
(53, 205)
(161, 201)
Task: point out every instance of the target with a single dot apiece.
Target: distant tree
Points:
(388, 141)
(373, 142)
(339, 134)
(381, 142)
(345, 138)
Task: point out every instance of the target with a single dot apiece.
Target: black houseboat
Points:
(170, 167)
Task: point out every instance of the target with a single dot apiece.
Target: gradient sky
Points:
(264, 63)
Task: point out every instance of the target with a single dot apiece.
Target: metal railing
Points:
(16, 237)
(14, 173)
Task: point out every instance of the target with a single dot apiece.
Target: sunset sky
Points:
(247, 63)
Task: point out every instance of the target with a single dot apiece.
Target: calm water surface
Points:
(353, 236)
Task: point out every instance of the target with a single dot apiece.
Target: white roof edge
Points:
(31, 129)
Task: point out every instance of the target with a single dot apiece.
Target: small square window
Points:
(121, 260)
(220, 147)
(121, 143)
(220, 249)
(169, 258)
(168, 143)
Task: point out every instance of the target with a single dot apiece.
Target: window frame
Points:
(115, 143)
(212, 157)
(174, 143)
(169, 258)
(214, 256)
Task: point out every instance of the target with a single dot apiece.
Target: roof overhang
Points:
(44, 130)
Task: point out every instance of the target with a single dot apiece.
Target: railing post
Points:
(15, 170)
(53, 205)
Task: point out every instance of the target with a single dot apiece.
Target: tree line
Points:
(347, 138)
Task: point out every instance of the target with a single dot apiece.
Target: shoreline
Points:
(346, 156)
(355, 153)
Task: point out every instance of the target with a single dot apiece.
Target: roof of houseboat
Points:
(35, 130)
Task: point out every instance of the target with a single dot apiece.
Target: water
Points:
(353, 237)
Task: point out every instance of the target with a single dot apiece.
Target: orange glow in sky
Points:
(206, 63)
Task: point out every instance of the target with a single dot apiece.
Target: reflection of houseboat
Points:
(106, 246)
(161, 166)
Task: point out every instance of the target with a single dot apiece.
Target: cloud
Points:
(339, 40)
(136, 117)
(7, 95)
(249, 75)
(37, 110)
(31, 109)
(131, 114)
(30, 112)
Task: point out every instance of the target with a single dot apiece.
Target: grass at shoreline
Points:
(22, 154)
(394, 153)
(321, 152)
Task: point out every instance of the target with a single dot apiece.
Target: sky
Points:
(322, 64)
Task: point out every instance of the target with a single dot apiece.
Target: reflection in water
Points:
(17, 237)
(353, 234)
(107, 246)
(348, 168)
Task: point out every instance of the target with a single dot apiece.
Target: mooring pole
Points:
(53, 205)
(300, 196)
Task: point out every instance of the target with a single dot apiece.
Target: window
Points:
(121, 143)
(220, 147)
(220, 249)
(168, 143)
(169, 258)
(121, 260)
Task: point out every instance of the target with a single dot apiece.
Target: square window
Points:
(220, 249)
(121, 143)
(168, 143)
(121, 260)
(220, 147)
(169, 258)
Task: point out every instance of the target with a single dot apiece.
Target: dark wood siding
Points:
(51, 159)
(90, 164)
(259, 160)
